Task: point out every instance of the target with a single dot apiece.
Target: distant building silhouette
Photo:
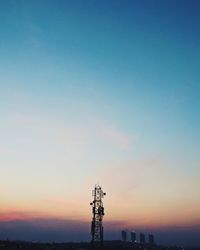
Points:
(124, 235)
(142, 238)
(133, 237)
(151, 239)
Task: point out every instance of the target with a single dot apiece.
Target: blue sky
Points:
(98, 90)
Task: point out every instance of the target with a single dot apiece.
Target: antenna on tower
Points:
(98, 213)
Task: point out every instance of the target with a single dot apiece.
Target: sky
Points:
(100, 92)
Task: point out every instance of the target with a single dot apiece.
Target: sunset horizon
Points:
(100, 92)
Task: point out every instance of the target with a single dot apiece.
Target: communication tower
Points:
(98, 213)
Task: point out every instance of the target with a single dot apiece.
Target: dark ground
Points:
(117, 245)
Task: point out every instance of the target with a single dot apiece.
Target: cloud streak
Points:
(115, 136)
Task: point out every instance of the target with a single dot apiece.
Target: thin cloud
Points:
(17, 215)
(117, 137)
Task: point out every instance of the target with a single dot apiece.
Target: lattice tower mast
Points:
(98, 213)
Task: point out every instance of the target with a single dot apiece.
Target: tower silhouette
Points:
(98, 213)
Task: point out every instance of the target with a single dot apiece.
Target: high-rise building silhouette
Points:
(133, 237)
(142, 238)
(124, 235)
(151, 239)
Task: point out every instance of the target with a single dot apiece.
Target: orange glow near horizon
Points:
(147, 220)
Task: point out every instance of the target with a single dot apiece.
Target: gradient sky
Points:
(104, 92)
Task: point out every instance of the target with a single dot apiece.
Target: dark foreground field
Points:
(109, 245)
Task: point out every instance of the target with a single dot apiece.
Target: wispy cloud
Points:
(115, 136)
(15, 215)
